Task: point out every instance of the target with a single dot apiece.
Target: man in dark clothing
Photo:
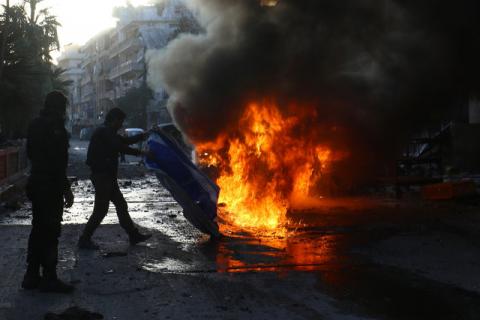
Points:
(102, 157)
(49, 190)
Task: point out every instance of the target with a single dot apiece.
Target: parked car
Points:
(130, 132)
(86, 133)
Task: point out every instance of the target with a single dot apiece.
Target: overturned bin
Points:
(196, 193)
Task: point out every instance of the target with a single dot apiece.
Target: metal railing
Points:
(118, 48)
(125, 68)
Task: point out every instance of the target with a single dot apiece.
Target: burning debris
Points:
(312, 97)
(267, 166)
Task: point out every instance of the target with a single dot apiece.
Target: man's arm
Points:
(118, 144)
(134, 139)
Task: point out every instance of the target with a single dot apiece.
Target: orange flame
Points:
(265, 166)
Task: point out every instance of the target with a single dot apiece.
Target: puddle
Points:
(305, 251)
(166, 265)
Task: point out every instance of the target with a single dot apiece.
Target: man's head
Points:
(115, 118)
(56, 104)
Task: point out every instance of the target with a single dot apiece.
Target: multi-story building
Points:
(71, 61)
(85, 108)
(114, 62)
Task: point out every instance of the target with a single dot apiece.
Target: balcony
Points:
(86, 90)
(109, 94)
(86, 79)
(125, 68)
(133, 43)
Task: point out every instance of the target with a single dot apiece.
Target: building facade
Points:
(71, 61)
(114, 62)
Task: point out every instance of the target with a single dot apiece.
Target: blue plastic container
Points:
(196, 193)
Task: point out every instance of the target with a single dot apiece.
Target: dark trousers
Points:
(47, 211)
(106, 190)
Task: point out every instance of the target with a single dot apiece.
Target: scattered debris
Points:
(114, 254)
(74, 313)
(127, 183)
(12, 205)
(73, 180)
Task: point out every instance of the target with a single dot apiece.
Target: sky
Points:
(82, 19)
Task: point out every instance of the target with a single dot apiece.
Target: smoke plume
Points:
(381, 69)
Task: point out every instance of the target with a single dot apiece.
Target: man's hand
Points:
(69, 198)
(155, 129)
(146, 134)
(148, 154)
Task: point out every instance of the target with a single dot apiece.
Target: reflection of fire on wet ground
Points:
(310, 242)
(303, 251)
(322, 238)
(273, 167)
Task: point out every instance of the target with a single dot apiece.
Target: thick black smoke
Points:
(382, 69)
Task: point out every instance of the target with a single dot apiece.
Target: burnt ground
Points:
(350, 259)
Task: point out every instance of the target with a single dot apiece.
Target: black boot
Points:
(50, 283)
(136, 237)
(31, 279)
(55, 286)
(87, 244)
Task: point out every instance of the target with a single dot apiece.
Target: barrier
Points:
(12, 161)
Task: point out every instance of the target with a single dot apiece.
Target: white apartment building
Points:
(71, 61)
(113, 62)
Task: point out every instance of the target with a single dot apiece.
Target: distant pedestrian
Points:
(102, 157)
(49, 191)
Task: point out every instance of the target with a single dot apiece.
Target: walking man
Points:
(49, 191)
(102, 157)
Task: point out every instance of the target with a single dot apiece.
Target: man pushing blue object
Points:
(196, 193)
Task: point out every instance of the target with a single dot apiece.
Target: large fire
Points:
(272, 162)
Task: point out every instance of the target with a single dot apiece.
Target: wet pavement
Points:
(351, 258)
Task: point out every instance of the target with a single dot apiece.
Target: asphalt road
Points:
(350, 259)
